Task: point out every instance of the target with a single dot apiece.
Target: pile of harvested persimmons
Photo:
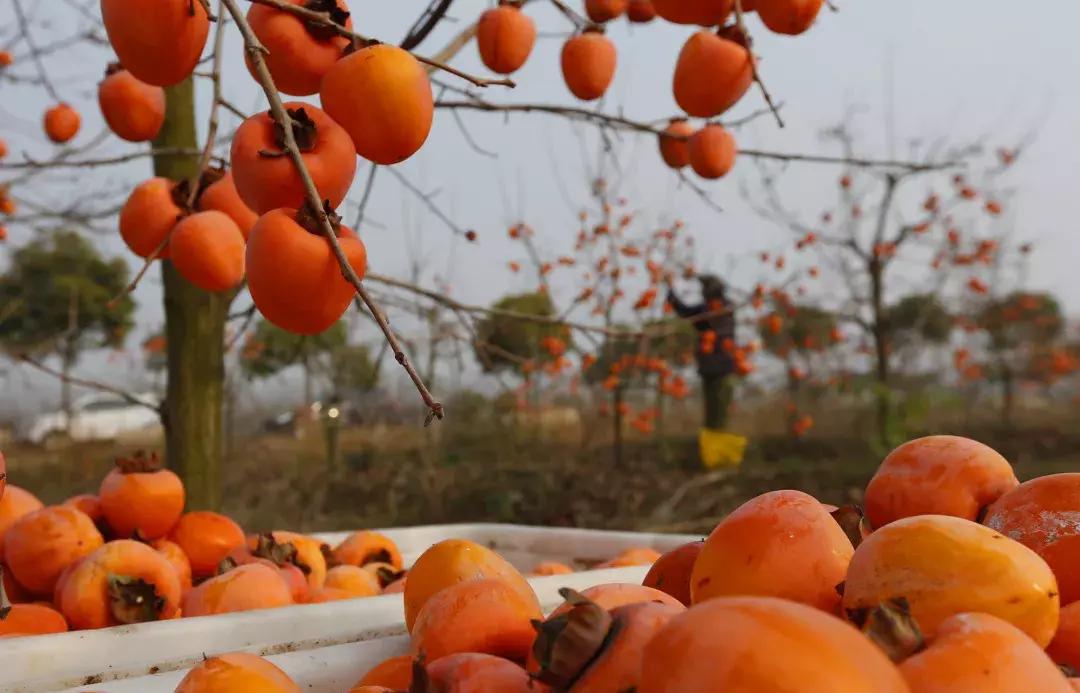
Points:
(953, 581)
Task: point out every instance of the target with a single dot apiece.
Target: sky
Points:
(908, 71)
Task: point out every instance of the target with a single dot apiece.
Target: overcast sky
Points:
(942, 69)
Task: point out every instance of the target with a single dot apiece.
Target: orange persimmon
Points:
(588, 64)
(40, 545)
(140, 495)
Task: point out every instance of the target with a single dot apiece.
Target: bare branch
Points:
(82, 382)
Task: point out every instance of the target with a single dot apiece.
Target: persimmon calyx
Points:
(311, 220)
(335, 14)
(5, 605)
(736, 34)
(133, 600)
(139, 463)
(280, 554)
(853, 521)
(387, 576)
(891, 627)
(566, 644)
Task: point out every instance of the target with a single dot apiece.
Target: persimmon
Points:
(395, 673)
(980, 653)
(16, 593)
(88, 504)
(505, 36)
(3, 148)
(384, 573)
(631, 557)
(221, 195)
(700, 12)
(62, 123)
(6, 59)
(208, 250)
(353, 580)
(177, 559)
(610, 596)
(244, 588)
(133, 109)
(237, 672)
(641, 11)
(14, 504)
(266, 179)
(671, 572)
(207, 538)
(140, 495)
(362, 548)
(945, 565)
(788, 16)
(545, 568)
(712, 151)
(18, 620)
(475, 672)
(3, 476)
(763, 644)
(371, 689)
(486, 615)
(605, 10)
(276, 556)
(397, 586)
(158, 42)
(382, 96)
(123, 582)
(1041, 514)
(40, 545)
(293, 276)
(937, 475)
(329, 594)
(588, 64)
(1065, 647)
(307, 554)
(711, 74)
(676, 152)
(148, 216)
(300, 52)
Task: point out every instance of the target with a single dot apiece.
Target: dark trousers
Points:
(716, 390)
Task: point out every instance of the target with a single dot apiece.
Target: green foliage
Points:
(503, 342)
(805, 328)
(55, 297)
(353, 369)
(270, 349)
(1021, 318)
(919, 317)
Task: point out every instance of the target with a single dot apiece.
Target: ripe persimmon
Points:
(546, 568)
(675, 151)
(133, 109)
(159, 42)
(763, 644)
(237, 672)
(40, 545)
(474, 671)
(305, 552)
(207, 538)
(640, 11)
(605, 10)
(712, 151)
(244, 588)
(397, 586)
(208, 250)
(293, 276)
(701, 12)
(177, 559)
(671, 572)
(612, 595)
(711, 74)
(122, 582)
(945, 565)
(980, 653)
(3, 476)
(16, 593)
(140, 495)
(1042, 515)
(14, 504)
(88, 504)
(18, 620)
(148, 215)
(505, 36)
(395, 673)
(362, 548)
(280, 557)
(300, 52)
(382, 96)
(1065, 647)
(788, 16)
(588, 64)
(937, 475)
(221, 195)
(452, 561)
(354, 580)
(62, 123)
(266, 179)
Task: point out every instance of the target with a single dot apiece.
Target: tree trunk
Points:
(195, 332)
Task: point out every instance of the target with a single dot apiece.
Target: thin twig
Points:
(753, 63)
(82, 382)
(368, 187)
(31, 164)
(426, 199)
(24, 27)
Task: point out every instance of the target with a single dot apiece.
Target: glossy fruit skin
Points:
(712, 151)
(947, 565)
(88, 504)
(487, 615)
(753, 550)
(394, 673)
(148, 503)
(701, 12)
(84, 597)
(294, 278)
(640, 11)
(588, 65)
(979, 653)
(62, 123)
(450, 562)
(31, 619)
(711, 75)
(618, 665)
(352, 579)
(937, 475)
(361, 548)
(1065, 647)
(605, 10)
(613, 595)
(752, 644)
(206, 538)
(382, 96)
(15, 504)
(237, 672)
(505, 37)
(297, 60)
(208, 250)
(1042, 515)
(177, 559)
(245, 588)
(133, 110)
(158, 41)
(266, 183)
(671, 573)
(791, 17)
(480, 673)
(676, 152)
(148, 215)
(40, 545)
(223, 197)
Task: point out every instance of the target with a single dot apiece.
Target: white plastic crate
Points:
(325, 647)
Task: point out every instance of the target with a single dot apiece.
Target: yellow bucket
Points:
(720, 449)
